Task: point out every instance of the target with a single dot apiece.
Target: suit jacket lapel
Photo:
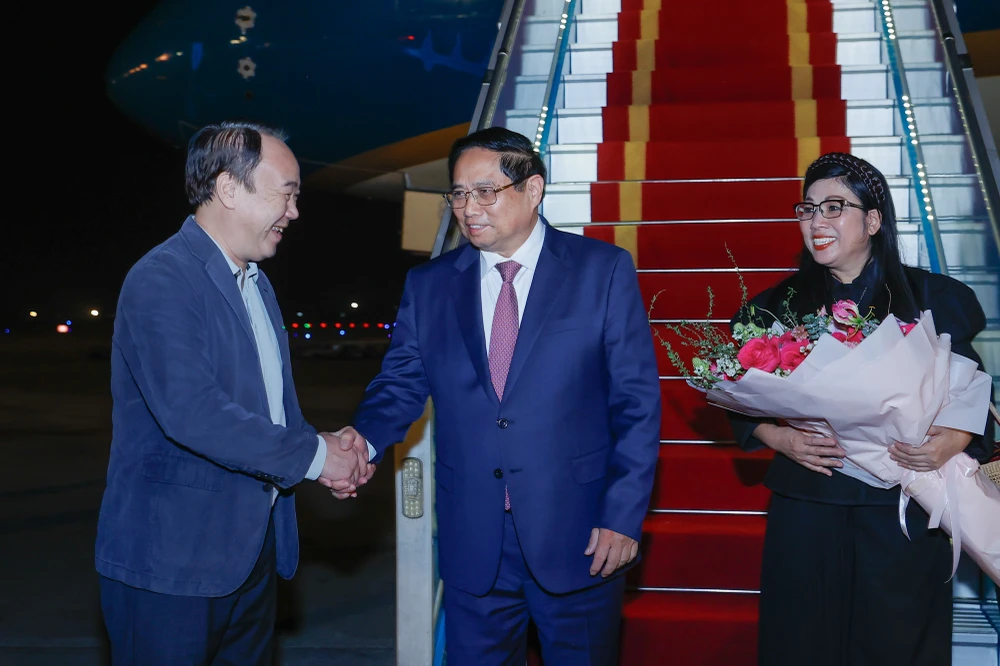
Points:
(549, 280)
(468, 304)
(203, 247)
(218, 270)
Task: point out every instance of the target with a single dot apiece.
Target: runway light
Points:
(32, 314)
(354, 305)
(343, 332)
(308, 336)
(94, 313)
(69, 323)
(322, 324)
(62, 328)
(351, 325)
(337, 325)
(307, 325)
(298, 314)
(295, 324)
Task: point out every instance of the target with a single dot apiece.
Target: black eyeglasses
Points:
(484, 196)
(830, 209)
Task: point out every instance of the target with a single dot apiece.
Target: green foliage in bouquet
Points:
(714, 352)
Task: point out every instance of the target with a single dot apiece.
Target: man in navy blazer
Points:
(564, 431)
(208, 438)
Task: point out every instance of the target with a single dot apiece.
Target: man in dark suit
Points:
(209, 441)
(535, 347)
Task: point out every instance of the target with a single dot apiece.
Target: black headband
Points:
(856, 166)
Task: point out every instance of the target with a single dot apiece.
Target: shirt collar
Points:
(233, 267)
(526, 255)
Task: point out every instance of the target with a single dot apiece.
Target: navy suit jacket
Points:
(194, 454)
(576, 437)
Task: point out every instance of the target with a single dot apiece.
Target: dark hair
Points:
(229, 147)
(518, 159)
(869, 185)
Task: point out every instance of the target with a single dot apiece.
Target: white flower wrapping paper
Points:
(890, 388)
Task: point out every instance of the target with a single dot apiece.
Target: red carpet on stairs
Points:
(742, 92)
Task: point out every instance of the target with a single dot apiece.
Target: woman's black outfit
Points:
(841, 585)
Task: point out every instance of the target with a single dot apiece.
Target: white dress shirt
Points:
(269, 355)
(491, 281)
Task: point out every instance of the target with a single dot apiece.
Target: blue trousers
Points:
(576, 628)
(152, 629)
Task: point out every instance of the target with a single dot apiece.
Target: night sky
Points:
(93, 192)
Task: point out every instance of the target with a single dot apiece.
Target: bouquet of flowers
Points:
(867, 384)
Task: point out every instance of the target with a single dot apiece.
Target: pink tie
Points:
(503, 336)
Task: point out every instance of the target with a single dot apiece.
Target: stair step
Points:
(967, 242)
(685, 294)
(771, 244)
(686, 414)
(682, 49)
(719, 121)
(855, 49)
(742, 82)
(732, 479)
(596, 27)
(690, 628)
(865, 118)
(698, 551)
(688, 200)
(772, 158)
(762, 17)
(954, 196)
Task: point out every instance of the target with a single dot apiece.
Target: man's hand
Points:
(350, 442)
(352, 439)
(342, 469)
(611, 551)
(813, 452)
(943, 445)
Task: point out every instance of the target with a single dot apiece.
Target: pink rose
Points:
(760, 353)
(845, 312)
(792, 355)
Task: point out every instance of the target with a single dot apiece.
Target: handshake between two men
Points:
(347, 465)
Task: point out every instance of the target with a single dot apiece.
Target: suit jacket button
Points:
(267, 487)
(498, 473)
(503, 423)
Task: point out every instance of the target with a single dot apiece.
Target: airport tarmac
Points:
(55, 432)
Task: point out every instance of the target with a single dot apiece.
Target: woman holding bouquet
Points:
(841, 585)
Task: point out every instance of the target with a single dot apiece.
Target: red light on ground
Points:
(351, 325)
(365, 324)
(322, 324)
(62, 328)
(294, 325)
(410, 38)
(337, 325)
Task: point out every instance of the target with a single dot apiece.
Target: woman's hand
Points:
(943, 445)
(813, 452)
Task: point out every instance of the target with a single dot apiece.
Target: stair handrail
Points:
(970, 108)
(911, 139)
(489, 95)
(547, 113)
